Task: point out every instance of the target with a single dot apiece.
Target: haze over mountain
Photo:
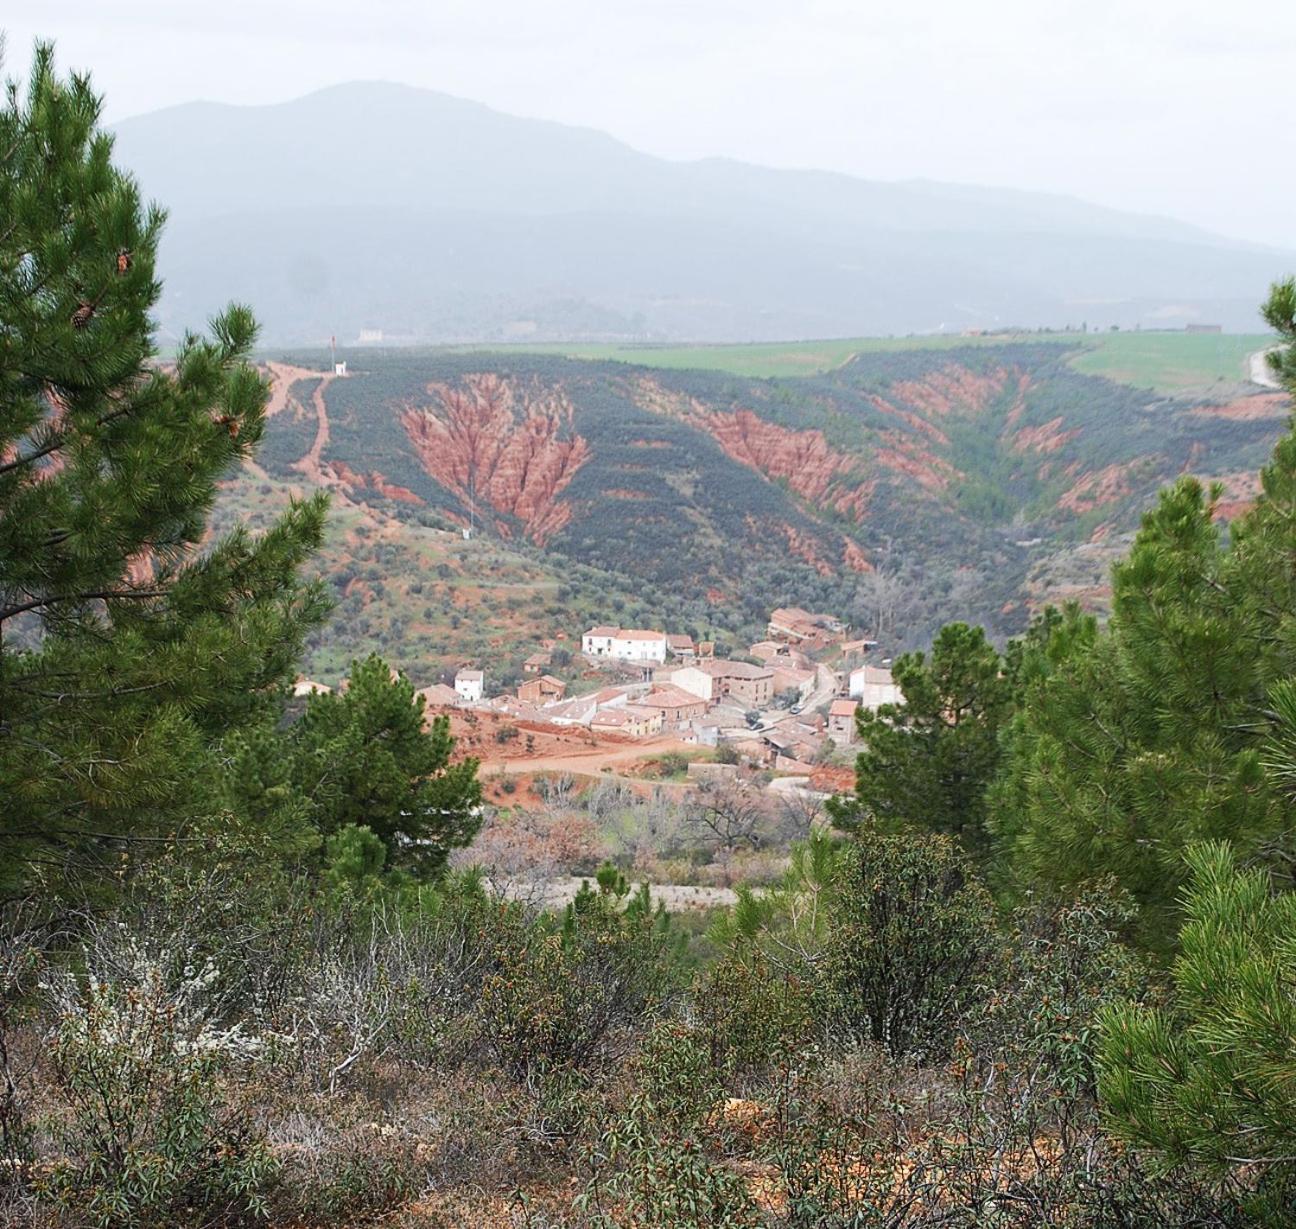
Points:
(373, 206)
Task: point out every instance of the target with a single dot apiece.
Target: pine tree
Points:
(129, 645)
(926, 763)
(362, 758)
(1149, 736)
(1210, 1079)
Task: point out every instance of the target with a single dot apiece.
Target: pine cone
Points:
(83, 314)
(230, 423)
(123, 261)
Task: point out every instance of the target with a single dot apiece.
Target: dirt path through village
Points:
(587, 763)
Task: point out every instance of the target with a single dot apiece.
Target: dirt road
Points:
(1259, 368)
(587, 763)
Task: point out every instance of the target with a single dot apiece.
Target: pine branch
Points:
(109, 595)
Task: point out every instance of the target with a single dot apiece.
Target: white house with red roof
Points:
(625, 644)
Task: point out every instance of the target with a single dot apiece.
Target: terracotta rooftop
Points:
(438, 695)
(670, 697)
(721, 668)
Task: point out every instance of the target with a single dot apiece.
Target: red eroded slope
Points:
(1048, 437)
(952, 390)
(801, 458)
(503, 445)
(1097, 489)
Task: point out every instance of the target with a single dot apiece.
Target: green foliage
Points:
(911, 934)
(559, 996)
(927, 762)
(651, 1166)
(1209, 1080)
(1147, 737)
(150, 1137)
(1059, 968)
(362, 759)
(127, 651)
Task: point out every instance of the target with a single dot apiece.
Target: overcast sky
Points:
(1179, 107)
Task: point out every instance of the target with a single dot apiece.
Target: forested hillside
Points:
(903, 487)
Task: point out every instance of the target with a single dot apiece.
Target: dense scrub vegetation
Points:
(1040, 974)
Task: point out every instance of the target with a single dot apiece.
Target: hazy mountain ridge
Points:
(433, 218)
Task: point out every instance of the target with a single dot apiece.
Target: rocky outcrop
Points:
(501, 446)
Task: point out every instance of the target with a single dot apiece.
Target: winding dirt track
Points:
(309, 465)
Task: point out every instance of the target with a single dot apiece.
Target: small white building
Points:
(470, 685)
(872, 686)
(624, 644)
(339, 369)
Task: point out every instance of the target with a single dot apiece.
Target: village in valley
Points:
(786, 705)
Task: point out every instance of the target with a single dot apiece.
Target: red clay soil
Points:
(802, 459)
(1048, 437)
(952, 390)
(553, 748)
(831, 779)
(282, 377)
(905, 456)
(916, 421)
(1097, 489)
(505, 445)
(1248, 409)
(807, 550)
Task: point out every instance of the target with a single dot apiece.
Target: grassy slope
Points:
(429, 601)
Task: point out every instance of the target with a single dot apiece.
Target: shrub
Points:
(155, 1133)
(912, 932)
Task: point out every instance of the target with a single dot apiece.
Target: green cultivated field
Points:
(1171, 362)
(1166, 362)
